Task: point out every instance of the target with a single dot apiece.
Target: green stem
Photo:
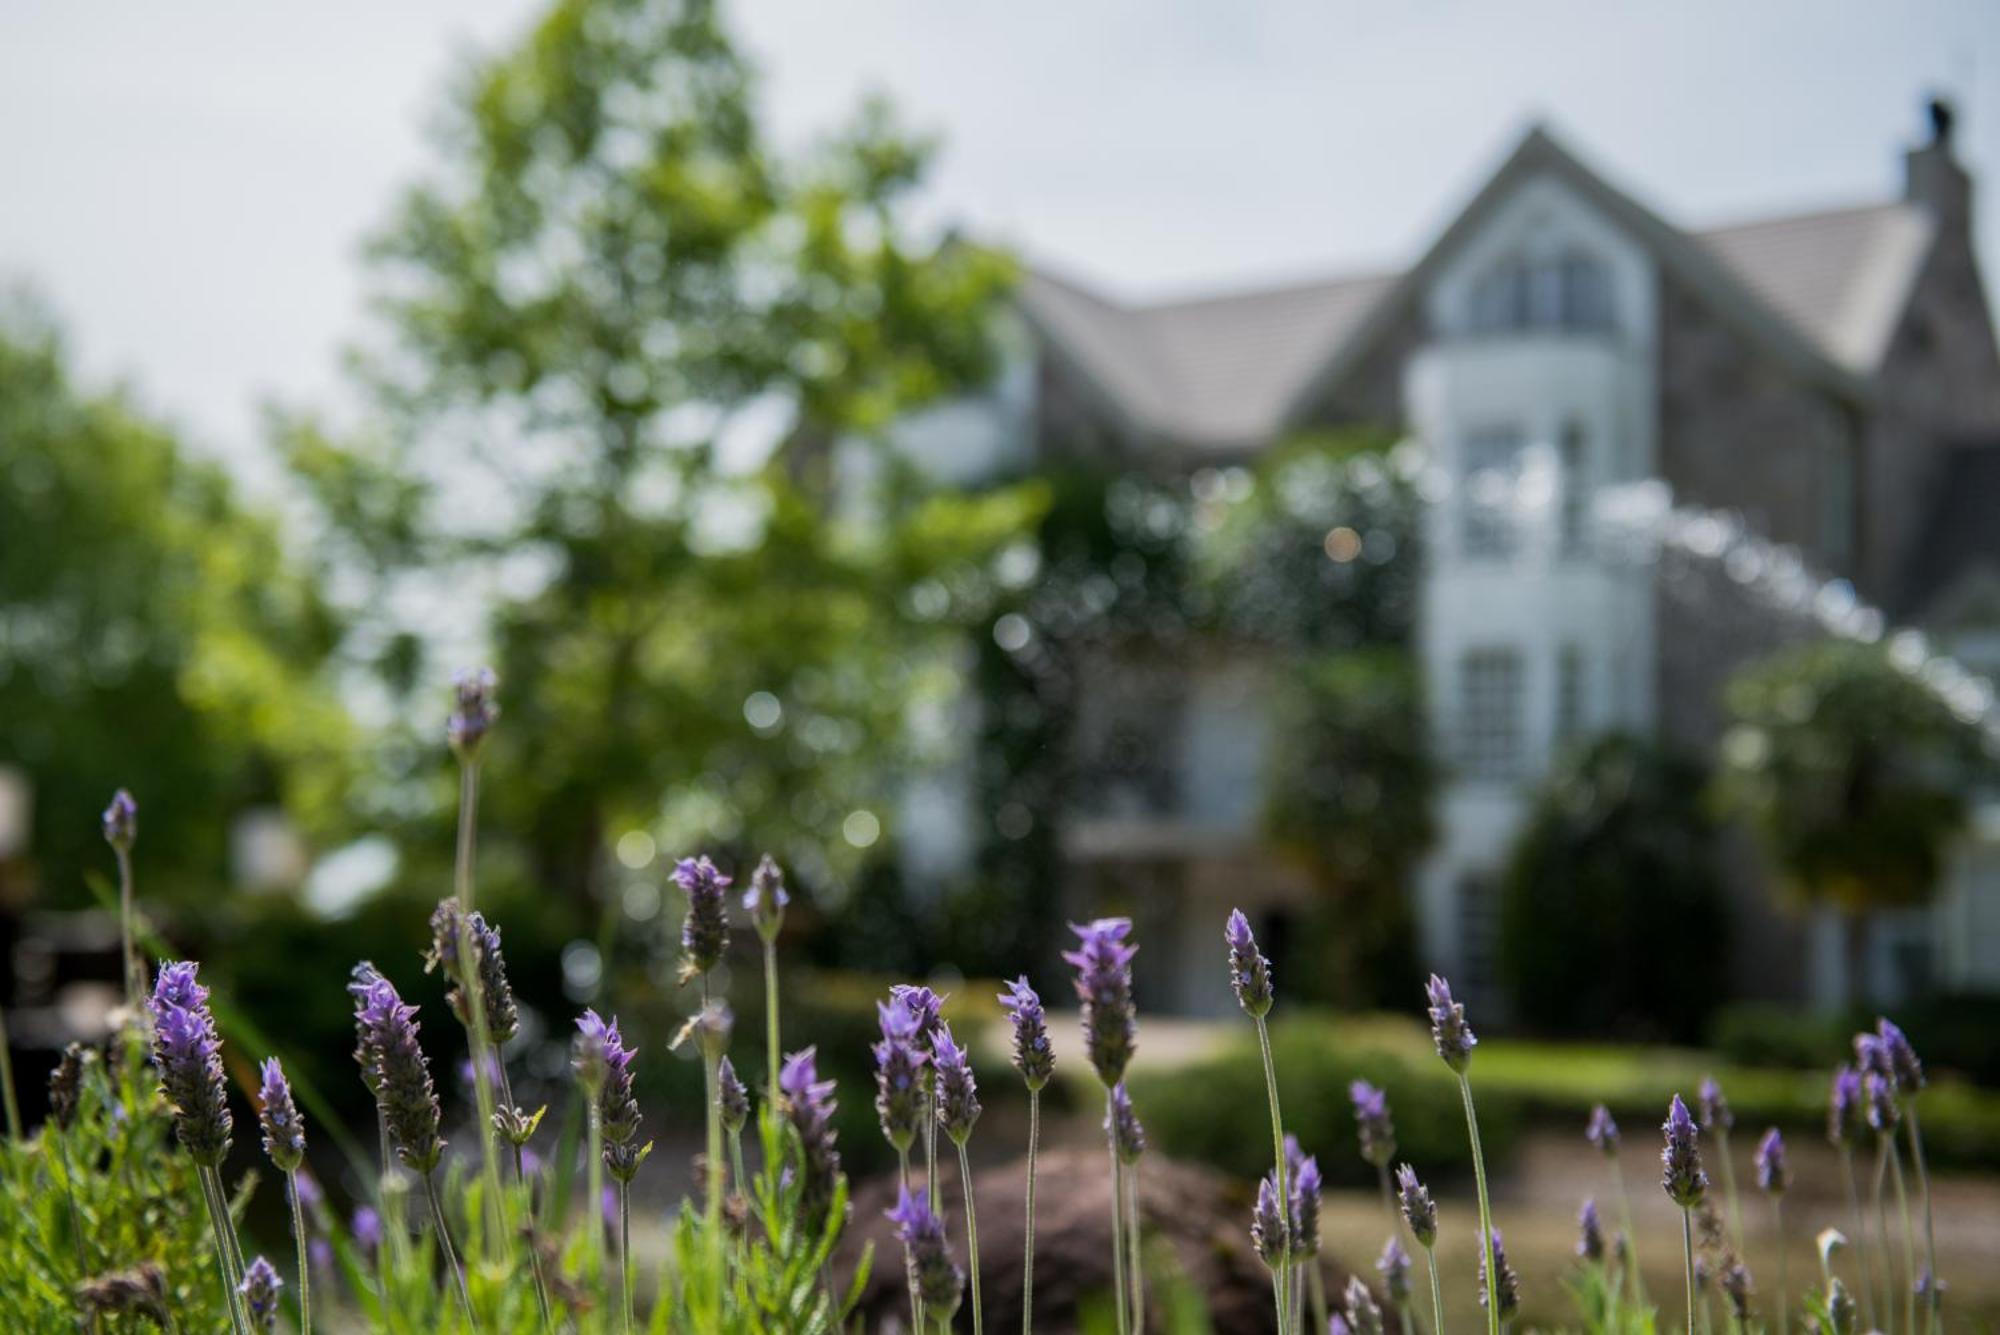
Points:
(625, 1254)
(1882, 1230)
(1729, 1183)
(1860, 1235)
(450, 1253)
(712, 1207)
(1909, 1241)
(475, 1006)
(971, 1234)
(1318, 1284)
(1437, 1295)
(69, 1190)
(1778, 1221)
(593, 1213)
(299, 1236)
(1028, 1248)
(1930, 1233)
(7, 1081)
(1631, 1236)
(1687, 1256)
(135, 987)
(1135, 1241)
(771, 1015)
(1485, 1206)
(209, 1190)
(1283, 1266)
(1117, 1230)
(910, 1270)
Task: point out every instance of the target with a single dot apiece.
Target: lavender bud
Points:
(260, 1289)
(1703, 1274)
(1602, 1133)
(139, 1291)
(66, 1086)
(517, 1124)
(1929, 1290)
(731, 1097)
(1715, 1113)
(1267, 1224)
(1453, 1036)
(1903, 1063)
(1590, 1233)
(925, 1006)
(710, 1028)
(403, 1090)
(1034, 1058)
(1871, 1055)
(1843, 1102)
(1774, 1174)
(1363, 1316)
(618, 1110)
(284, 1130)
(938, 1278)
(496, 995)
(1394, 1267)
(1121, 1124)
(1883, 1112)
(808, 1103)
(957, 1091)
(1305, 1184)
(590, 1051)
(1680, 1160)
(1371, 1122)
(765, 900)
(1419, 1210)
(1736, 1283)
(121, 821)
(188, 1054)
(1336, 1324)
(1840, 1309)
(1249, 972)
(360, 980)
(1104, 985)
(475, 710)
(1509, 1286)
(901, 1092)
(705, 931)
(367, 1229)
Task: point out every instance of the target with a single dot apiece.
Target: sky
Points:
(187, 185)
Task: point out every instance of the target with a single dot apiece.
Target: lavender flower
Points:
(937, 1276)
(1715, 1112)
(900, 1090)
(731, 1096)
(1453, 1036)
(1871, 1055)
(1104, 985)
(1121, 1124)
(617, 1109)
(925, 1006)
(367, 1229)
(1363, 1316)
(475, 711)
(121, 821)
(1267, 1224)
(1842, 1103)
(1249, 971)
(189, 1056)
(1736, 1283)
(1902, 1058)
(1602, 1133)
(766, 898)
(1305, 1184)
(590, 1051)
(1509, 1286)
(403, 1087)
(957, 1091)
(1774, 1174)
(496, 995)
(1883, 1112)
(1372, 1124)
(808, 1103)
(1929, 1289)
(360, 979)
(1590, 1233)
(66, 1086)
(705, 931)
(1034, 1058)
(1419, 1210)
(1680, 1160)
(1337, 1325)
(1394, 1267)
(140, 1291)
(260, 1288)
(284, 1130)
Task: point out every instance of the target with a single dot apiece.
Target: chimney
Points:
(1932, 176)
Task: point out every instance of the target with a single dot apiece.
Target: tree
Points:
(1610, 919)
(631, 345)
(1853, 773)
(154, 635)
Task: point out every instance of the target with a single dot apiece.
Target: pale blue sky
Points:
(187, 183)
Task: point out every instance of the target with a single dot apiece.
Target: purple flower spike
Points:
(766, 898)
(925, 1007)
(1508, 1288)
(1363, 1316)
(957, 1091)
(1104, 985)
(66, 1085)
(1249, 971)
(260, 1288)
(496, 995)
(121, 821)
(1337, 1325)
(808, 1103)
(1394, 1267)
(1590, 1233)
(1774, 1174)
(1305, 1184)
(1736, 1283)
(1843, 1104)
(1453, 1036)
(705, 931)
(590, 1051)
(1267, 1224)
(1602, 1133)
(474, 711)
(189, 1056)
(1870, 1055)
(1902, 1058)
(1419, 1210)
(403, 1088)
(1371, 1123)
(617, 1109)
(731, 1097)
(1715, 1111)
(1680, 1160)
(1121, 1124)
(367, 1228)
(1883, 1112)
(938, 1278)
(900, 1088)
(1034, 1058)
(284, 1130)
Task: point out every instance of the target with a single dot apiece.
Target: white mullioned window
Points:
(1491, 708)
(1490, 493)
(1573, 457)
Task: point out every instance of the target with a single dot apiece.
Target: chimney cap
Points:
(1942, 115)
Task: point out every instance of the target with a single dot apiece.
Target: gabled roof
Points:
(1821, 291)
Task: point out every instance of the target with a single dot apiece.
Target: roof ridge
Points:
(1754, 221)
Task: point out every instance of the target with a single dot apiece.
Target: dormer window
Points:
(1568, 290)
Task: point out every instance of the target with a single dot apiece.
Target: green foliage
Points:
(1610, 919)
(1954, 1032)
(1851, 770)
(154, 634)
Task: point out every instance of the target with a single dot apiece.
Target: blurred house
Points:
(1830, 377)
